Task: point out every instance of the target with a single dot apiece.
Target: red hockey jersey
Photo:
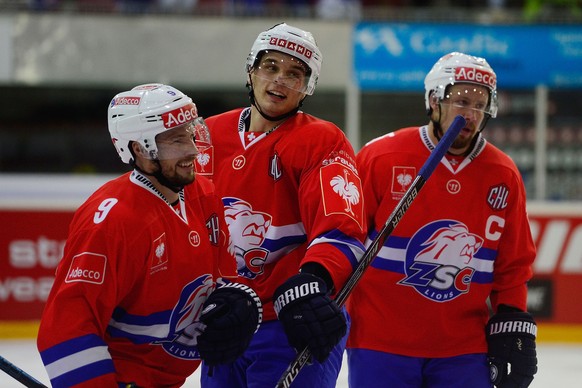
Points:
(129, 289)
(291, 196)
(464, 238)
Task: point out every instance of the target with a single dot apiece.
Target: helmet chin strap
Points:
(158, 175)
(266, 116)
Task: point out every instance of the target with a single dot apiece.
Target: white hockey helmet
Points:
(146, 111)
(292, 41)
(455, 68)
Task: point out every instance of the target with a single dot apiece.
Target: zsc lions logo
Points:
(248, 229)
(184, 325)
(438, 260)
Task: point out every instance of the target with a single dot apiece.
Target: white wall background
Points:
(113, 49)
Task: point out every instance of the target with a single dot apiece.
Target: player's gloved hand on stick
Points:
(232, 314)
(309, 316)
(511, 336)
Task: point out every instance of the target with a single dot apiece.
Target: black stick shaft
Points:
(20, 375)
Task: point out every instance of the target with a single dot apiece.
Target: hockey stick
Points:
(425, 172)
(20, 375)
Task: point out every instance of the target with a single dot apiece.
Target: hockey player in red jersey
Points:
(147, 284)
(293, 204)
(420, 315)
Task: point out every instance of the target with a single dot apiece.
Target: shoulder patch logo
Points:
(497, 197)
(275, 170)
(402, 178)
(159, 260)
(87, 267)
(213, 226)
(342, 192)
(205, 161)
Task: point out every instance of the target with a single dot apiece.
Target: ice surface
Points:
(560, 365)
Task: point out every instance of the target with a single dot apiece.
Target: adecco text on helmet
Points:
(469, 74)
(126, 101)
(180, 116)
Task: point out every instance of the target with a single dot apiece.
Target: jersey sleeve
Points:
(513, 267)
(71, 341)
(332, 204)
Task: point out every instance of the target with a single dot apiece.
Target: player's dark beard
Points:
(438, 133)
(176, 183)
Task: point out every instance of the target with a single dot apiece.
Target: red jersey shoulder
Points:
(311, 129)
(492, 154)
(223, 120)
(117, 200)
(201, 187)
(404, 140)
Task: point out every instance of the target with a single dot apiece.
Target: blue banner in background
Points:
(393, 56)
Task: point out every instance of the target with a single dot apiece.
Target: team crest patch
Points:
(440, 260)
(341, 190)
(248, 229)
(184, 325)
(402, 178)
(159, 260)
(205, 161)
(497, 197)
(88, 268)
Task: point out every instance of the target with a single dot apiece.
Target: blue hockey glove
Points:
(511, 336)
(309, 316)
(232, 314)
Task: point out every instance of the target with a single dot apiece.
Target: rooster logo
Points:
(341, 191)
(347, 190)
(404, 179)
(203, 158)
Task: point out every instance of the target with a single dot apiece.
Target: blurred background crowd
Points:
(528, 10)
(60, 75)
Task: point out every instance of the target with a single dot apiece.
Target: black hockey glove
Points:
(511, 336)
(232, 314)
(309, 316)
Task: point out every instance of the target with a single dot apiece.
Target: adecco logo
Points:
(180, 116)
(127, 101)
(87, 267)
(469, 74)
